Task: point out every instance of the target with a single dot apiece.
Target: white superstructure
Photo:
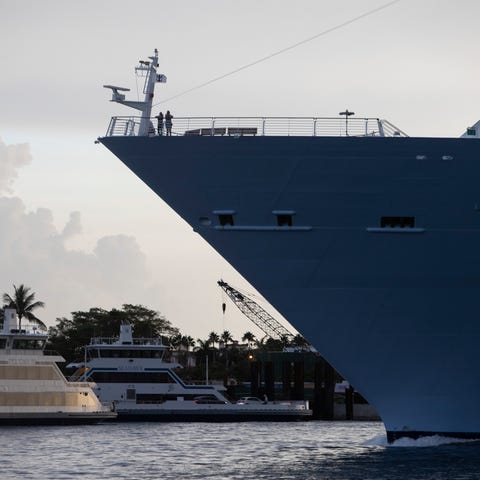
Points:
(33, 390)
(133, 374)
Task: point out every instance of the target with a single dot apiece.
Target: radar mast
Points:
(148, 70)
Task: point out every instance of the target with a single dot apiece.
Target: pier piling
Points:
(298, 385)
(270, 380)
(255, 370)
(287, 379)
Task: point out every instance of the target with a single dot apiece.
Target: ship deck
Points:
(261, 126)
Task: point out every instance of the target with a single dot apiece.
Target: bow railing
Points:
(260, 126)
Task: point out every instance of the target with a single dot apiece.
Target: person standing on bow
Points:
(168, 123)
(159, 117)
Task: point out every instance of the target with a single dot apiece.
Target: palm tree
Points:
(301, 342)
(226, 337)
(213, 338)
(24, 302)
(175, 341)
(249, 337)
(203, 346)
(260, 343)
(286, 340)
(202, 349)
(187, 341)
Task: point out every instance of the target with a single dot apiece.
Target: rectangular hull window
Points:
(225, 220)
(284, 220)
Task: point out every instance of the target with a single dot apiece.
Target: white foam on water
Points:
(430, 441)
(376, 441)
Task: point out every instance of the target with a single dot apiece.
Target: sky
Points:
(82, 231)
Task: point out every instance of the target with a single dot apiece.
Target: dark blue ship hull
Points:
(379, 269)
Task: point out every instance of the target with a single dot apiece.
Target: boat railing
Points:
(136, 341)
(261, 126)
(27, 329)
(32, 351)
(80, 382)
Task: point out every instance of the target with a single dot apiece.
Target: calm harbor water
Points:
(305, 450)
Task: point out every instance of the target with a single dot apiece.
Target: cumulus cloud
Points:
(12, 157)
(73, 226)
(33, 251)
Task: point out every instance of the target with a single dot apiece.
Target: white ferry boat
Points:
(33, 390)
(134, 375)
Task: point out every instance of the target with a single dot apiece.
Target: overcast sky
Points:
(83, 231)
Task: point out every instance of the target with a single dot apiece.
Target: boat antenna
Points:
(147, 69)
(283, 50)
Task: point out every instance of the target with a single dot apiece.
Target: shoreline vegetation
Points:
(228, 359)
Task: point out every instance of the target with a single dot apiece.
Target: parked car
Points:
(249, 400)
(208, 399)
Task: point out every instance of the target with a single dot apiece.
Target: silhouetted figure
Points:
(159, 117)
(168, 123)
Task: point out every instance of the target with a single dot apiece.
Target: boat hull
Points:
(393, 309)
(212, 415)
(34, 419)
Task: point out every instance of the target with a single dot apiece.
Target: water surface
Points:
(303, 450)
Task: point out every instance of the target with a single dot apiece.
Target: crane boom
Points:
(259, 316)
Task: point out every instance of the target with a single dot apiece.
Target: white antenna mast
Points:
(147, 69)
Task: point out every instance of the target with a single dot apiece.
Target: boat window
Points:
(132, 377)
(126, 353)
(150, 398)
(160, 398)
(28, 344)
(397, 222)
(3, 342)
(92, 353)
(131, 393)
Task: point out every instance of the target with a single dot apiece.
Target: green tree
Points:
(71, 334)
(24, 302)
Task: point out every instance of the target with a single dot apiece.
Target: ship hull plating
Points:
(393, 307)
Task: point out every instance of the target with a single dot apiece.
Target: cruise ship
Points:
(364, 238)
(33, 390)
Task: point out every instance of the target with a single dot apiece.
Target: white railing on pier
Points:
(262, 126)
